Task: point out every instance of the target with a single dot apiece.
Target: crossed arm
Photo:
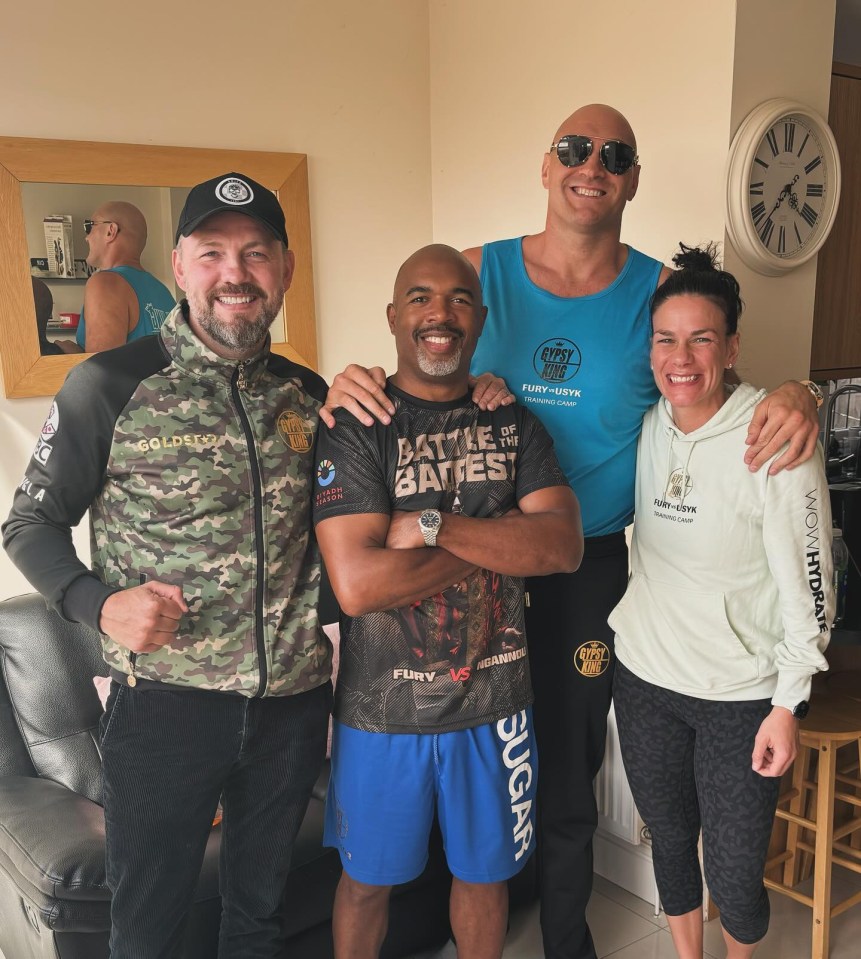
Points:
(380, 562)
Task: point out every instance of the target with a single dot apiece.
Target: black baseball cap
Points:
(236, 193)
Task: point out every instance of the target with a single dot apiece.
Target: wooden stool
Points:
(834, 722)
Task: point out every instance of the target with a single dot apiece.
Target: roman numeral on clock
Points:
(771, 136)
(781, 240)
(766, 231)
(788, 136)
(757, 212)
(814, 189)
(756, 188)
(808, 214)
(814, 163)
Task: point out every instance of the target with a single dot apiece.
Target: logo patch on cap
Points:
(234, 191)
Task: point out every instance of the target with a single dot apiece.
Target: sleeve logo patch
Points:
(325, 473)
(51, 425)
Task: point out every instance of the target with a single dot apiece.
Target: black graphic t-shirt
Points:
(456, 659)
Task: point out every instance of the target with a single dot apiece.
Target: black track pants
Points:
(571, 657)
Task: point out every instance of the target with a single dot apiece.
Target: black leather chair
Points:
(54, 902)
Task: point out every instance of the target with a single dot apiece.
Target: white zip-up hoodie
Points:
(730, 593)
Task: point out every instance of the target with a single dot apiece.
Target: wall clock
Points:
(783, 186)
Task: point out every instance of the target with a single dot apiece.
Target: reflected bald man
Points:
(122, 302)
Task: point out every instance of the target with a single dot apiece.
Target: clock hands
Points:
(787, 192)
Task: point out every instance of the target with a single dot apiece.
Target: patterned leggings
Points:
(688, 762)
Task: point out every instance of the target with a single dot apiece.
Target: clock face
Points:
(782, 186)
(789, 186)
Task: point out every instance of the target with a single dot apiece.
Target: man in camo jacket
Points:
(192, 449)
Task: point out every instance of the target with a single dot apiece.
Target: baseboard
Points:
(625, 865)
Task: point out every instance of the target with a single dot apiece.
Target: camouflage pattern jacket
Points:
(197, 472)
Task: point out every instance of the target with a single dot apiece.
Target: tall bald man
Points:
(122, 302)
(568, 328)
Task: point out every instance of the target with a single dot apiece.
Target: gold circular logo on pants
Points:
(592, 659)
(295, 431)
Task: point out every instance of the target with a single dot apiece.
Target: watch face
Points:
(430, 520)
(789, 186)
(801, 710)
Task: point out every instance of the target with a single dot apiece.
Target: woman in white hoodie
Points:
(724, 621)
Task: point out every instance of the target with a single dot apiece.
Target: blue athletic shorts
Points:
(384, 788)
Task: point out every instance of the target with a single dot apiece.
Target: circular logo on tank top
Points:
(592, 659)
(557, 360)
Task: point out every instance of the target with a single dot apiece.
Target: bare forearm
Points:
(389, 578)
(529, 544)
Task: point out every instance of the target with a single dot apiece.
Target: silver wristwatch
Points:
(429, 523)
(815, 391)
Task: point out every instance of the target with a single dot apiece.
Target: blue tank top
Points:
(155, 301)
(581, 364)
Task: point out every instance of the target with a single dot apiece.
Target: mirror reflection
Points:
(103, 253)
(152, 171)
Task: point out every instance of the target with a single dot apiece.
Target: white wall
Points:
(346, 83)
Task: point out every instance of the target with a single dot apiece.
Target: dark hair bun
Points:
(696, 259)
(697, 273)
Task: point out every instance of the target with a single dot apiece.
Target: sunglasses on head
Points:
(574, 150)
(89, 224)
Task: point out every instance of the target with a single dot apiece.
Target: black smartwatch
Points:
(801, 710)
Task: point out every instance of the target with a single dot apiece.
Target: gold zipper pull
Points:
(241, 382)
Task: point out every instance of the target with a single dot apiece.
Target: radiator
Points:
(617, 814)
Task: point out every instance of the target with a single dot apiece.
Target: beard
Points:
(243, 331)
(433, 366)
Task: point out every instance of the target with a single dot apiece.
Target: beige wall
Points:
(346, 83)
(424, 119)
(505, 74)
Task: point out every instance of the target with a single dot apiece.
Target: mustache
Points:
(238, 289)
(438, 328)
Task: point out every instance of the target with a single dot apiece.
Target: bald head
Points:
(132, 233)
(436, 316)
(443, 256)
(598, 120)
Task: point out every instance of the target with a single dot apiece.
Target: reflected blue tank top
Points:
(581, 364)
(155, 301)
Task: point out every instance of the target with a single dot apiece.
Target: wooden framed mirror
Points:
(23, 161)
